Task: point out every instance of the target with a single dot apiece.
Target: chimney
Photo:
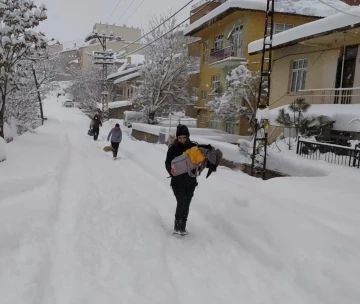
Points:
(129, 59)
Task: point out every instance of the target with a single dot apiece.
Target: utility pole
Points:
(261, 118)
(38, 93)
(104, 58)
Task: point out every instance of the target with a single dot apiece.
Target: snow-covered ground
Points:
(77, 227)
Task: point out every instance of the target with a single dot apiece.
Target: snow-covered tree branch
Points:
(87, 86)
(18, 40)
(165, 73)
(239, 99)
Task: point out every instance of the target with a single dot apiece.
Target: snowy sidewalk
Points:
(77, 227)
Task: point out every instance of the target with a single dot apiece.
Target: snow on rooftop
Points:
(127, 77)
(314, 8)
(322, 26)
(116, 104)
(135, 59)
(124, 71)
(345, 116)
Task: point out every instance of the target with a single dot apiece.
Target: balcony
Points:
(331, 95)
(226, 56)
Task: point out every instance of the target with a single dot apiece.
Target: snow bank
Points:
(323, 26)
(2, 149)
(347, 117)
(319, 8)
(286, 161)
(10, 131)
(230, 152)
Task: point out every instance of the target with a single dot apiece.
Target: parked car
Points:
(68, 104)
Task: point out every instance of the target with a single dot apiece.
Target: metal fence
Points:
(334, 154)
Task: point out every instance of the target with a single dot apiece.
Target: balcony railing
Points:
(331, 95)
(227, 51)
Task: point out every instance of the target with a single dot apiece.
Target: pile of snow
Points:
(2, 149)
(347, 117)
(10, 131)
(282, 159)
(323, 26)
(318, 8)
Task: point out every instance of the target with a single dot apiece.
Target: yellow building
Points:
(225, 33)
(319, 62)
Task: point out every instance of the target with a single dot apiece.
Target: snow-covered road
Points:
(77, 227)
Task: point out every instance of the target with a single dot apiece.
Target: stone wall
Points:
(246, 168)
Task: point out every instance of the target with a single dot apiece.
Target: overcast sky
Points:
(70, 20)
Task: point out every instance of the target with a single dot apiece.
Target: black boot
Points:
(183, 228)
(177, 227)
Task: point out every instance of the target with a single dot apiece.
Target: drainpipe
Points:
(343, 63)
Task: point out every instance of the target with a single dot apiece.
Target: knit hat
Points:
(182, 130)
(117, 126)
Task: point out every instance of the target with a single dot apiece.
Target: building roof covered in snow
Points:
(127, 77)
(124, 71)
(335, 23)
(116, 104)
(310, 8)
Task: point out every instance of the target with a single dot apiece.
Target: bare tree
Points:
(166, 70)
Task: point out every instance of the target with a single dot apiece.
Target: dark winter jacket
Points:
(96, 123)
(175, 150)
(116, 135)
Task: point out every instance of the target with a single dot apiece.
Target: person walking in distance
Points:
(116, 138)
(95, 126)
(182, 185)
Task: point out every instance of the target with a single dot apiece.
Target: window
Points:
(235, 36)
(230, 127)
(278, 28)
(120, 91)
(218, 41)
(203, 118)
(205, 58)
(215, 82)
(298, 75)
(205, 45)
(213, 124)
(203, 95)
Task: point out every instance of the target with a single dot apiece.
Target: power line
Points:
(132, 1)
(335, 8)
(113, 11)
(134, 11)
(146, 45)
(164, 23)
